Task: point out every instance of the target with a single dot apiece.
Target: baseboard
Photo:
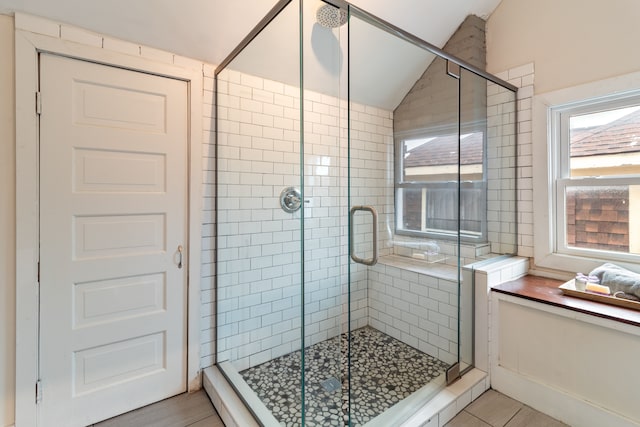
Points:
(558, 404)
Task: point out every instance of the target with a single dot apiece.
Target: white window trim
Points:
(545, 162)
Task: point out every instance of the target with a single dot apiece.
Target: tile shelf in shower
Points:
(440, 271)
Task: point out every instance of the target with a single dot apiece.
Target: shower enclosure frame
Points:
(372, 19)
(453, 63)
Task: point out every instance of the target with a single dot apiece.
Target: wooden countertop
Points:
(546, 291)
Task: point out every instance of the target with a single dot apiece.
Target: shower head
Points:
(330, 16)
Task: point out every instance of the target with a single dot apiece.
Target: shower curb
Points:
(229, 406)
(434, 413)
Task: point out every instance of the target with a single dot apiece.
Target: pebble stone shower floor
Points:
(383, 372)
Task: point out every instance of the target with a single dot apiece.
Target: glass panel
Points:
(405, 336)
(473, 177)
(427, 176)
(325, 290)
(308, 334)
(258, 242)
(605, 143)
(601, 217)
(487, 199)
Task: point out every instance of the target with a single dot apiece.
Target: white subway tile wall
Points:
(523, 78)
(259, 244)
(501, 169)
(259, 313)
(207, 283)
(418, 309)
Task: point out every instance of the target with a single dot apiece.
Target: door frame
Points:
(35, 35)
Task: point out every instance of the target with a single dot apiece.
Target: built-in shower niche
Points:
(305, 334)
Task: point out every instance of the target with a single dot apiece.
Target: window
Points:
(597, 178)
(427, 186)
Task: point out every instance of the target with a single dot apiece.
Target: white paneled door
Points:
(113, 205)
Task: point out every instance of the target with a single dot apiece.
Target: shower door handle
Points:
(354, 257)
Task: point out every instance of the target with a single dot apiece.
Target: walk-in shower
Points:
(358, 168)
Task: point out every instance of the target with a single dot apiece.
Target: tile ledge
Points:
(440, 271)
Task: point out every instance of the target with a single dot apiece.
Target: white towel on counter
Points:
(618, 279)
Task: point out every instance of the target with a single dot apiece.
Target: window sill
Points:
(544, 290)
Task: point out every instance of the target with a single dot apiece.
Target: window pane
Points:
(430, 203)
(434, 209)
(603, 217)
(411, 209)
(436, 158)
(605, 143)
(441, 213)
(472, 202)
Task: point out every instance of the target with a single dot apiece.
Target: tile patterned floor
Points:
(383, 372)
(183, 410)
(494, 409)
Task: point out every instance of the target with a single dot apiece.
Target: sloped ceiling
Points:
(208, 30)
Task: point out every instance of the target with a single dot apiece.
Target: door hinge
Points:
(453, 69)
(453, 373)
(38, 272)
(38, 103)
(38, 391)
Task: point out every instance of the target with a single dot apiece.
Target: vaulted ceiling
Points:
(208, 30)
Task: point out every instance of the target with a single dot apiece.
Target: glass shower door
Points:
(324, 166)
(404, 151)
(259, 220)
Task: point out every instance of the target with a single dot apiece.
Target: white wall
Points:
(192, 29)
(7, 223)
(570, 41)
(571, 44)
(547, 358)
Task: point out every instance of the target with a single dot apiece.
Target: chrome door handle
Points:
(354, 257)
(179, 256)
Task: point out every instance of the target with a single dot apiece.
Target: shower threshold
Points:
(385, 376)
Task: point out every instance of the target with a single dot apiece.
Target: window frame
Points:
(560, 117)
(547, 164)
(399, 184)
